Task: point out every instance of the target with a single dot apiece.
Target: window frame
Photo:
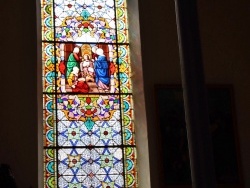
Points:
(138, 96)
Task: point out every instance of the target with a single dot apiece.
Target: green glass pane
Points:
(49, 103)
(47, 21)
(49, 128)
(122, 24)
(121, 3)
(130, 170)
(124, 69)
(128, 120)
(50, 167)
(48, 66)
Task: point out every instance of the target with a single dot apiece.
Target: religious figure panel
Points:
(86, 68)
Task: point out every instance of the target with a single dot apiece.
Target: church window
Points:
(88, 114)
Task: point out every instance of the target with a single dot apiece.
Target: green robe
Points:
(72, 62)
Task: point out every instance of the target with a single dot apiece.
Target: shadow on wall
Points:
(7, 179)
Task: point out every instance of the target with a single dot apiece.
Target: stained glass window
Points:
(88, 119)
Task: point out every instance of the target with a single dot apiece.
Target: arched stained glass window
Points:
(88, 113)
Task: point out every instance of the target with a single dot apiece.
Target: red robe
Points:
(81, 87)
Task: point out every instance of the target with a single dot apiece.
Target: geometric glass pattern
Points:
(88, 114)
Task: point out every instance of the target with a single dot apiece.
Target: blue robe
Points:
(101, 70)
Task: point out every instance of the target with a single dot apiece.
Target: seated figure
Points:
(87, 70)
(77, 84)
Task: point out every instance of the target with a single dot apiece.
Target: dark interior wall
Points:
(225, 43)
(160, 61)
(225, 46)
(18, 127)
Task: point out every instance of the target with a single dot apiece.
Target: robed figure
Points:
(101, 68)
(73, 61)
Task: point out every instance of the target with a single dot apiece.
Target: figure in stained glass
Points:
(101, 68)
(95, 68)
(73, 61)
(73, 77)
(87, 68)
(77, 84)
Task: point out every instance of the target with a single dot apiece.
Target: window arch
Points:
(88, 116)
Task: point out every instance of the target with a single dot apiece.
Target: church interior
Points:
(225, 43)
